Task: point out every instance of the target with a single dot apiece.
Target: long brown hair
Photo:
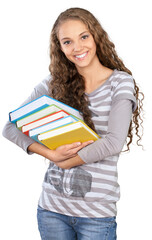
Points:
(68, 86)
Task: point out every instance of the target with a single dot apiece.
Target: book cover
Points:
(37, 115)
(44, 120)
(33, 133)
(74, 132)
(39, 104)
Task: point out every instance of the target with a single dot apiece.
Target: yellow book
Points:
(73, 132)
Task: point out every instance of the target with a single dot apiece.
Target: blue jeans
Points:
(55, 226)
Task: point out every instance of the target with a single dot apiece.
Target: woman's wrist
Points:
(41, 150)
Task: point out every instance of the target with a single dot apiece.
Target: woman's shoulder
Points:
(120, 76)
(122, 87)
(121, 80)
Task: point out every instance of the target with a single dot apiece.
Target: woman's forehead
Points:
(71, 27)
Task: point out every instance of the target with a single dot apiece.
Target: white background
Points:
(24, 58)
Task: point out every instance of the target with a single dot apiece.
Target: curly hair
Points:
(68, 86)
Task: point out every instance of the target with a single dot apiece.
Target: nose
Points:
(78, 46)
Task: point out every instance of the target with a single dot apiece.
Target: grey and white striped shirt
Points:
(90, 190)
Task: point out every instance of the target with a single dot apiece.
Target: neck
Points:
(92, 71)
(94, 75)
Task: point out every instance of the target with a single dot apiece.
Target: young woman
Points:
(80, 188)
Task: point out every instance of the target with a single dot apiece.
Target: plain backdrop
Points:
(25, 28)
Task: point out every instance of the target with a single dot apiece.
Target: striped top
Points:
(92, 190)
(89, 190)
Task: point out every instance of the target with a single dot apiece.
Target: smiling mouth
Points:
(82, 56)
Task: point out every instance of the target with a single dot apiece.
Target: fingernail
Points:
(78, 143)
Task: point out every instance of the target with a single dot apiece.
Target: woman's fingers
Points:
(69, 150)
(75, 147)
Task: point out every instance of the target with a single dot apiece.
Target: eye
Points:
(85, 36)
(67, 42)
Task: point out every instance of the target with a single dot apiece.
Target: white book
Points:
(37, 115)
(44, 120)
(39, 104)
(33, 133)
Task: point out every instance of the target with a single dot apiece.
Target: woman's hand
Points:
(67, 151)
(64, 156)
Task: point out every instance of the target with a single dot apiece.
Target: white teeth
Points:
(81, 56)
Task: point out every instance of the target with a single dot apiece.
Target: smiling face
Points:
(77, 43)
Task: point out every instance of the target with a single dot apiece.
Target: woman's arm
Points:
(112, 143)
(61, 154)
(68, 156)
(29, 145)
(13, 134)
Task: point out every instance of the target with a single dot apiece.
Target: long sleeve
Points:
(113, 142)
(11, 132)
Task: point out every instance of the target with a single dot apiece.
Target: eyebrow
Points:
(65, 38)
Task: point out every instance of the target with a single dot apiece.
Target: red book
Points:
(37, 123)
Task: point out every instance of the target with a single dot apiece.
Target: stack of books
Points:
(51, 122)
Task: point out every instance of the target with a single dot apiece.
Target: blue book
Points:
(39, 104)
(33, 133)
